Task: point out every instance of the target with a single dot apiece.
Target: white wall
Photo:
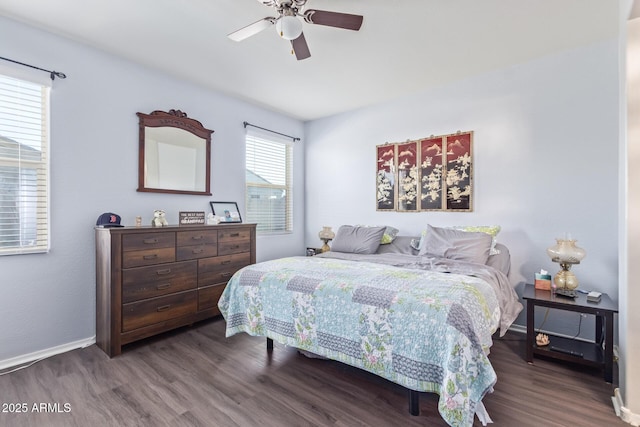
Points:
(48, 300)
(545, 162)
(630, 212)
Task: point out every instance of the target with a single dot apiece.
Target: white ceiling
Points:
(403, 46)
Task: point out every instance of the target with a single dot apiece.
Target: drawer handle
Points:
(163, 286)
(200, 237)
(197, 251)
(234, 235)
(235, 247)
(163, 272)
(225, 274)
(148, 257)
(150, 241)
(164, 307)
(226, 262)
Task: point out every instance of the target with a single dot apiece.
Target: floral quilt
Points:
(425, 330)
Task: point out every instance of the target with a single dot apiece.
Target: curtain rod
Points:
(272, 131)
(52, 74)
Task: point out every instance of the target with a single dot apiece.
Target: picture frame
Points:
(191, 218)
(433, 174)
(228, 212)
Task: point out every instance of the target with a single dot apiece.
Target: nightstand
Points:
(313, 251)
(580, 352)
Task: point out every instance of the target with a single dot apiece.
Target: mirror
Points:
(174, 154)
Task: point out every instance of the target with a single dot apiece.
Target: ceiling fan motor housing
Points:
(289, 27)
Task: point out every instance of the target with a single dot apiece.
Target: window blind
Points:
(24, 166)
(269, 167)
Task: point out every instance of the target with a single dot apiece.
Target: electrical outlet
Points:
(583, 315)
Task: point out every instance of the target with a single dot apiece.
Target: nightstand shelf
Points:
(590, 354)
(575, 351)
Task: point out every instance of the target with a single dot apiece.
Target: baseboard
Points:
(43, 354)
(523, 330)
(624, 413)
(518, 328)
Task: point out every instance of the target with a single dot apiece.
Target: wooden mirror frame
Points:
(172, 119)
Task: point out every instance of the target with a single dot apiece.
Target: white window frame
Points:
(255, 140)
(37, 203)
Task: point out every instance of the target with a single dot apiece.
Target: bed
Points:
(421, 317)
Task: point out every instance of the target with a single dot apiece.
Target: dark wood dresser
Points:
(150, 280)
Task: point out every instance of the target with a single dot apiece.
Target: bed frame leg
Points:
(414, 403)
(269, 345)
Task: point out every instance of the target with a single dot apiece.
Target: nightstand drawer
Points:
(154, 310)
(157, 280)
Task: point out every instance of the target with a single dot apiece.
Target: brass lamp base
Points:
(565, 279)
(325, 247)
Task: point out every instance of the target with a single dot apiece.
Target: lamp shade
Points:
(565, 250)
(326, 233)
(289, 27)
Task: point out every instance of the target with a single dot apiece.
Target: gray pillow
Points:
(357, 240)
(456, 244)
(400, 245)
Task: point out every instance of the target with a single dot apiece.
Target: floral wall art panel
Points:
(459, 174)
(428, 174)
(431, 168)
(386, 177)
(407, 176)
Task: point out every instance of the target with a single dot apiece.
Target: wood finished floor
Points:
(196, 377)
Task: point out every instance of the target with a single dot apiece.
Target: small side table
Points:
(580, 352)
(313, 251)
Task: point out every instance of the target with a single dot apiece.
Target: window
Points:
(24, 166)
(269, 165)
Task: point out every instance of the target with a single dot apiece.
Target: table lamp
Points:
(566, 253)
(326, 235)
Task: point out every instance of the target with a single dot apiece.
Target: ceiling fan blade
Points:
(252, 29)
(300, 48)
(333, 19)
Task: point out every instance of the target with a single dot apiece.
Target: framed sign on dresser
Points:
(153, 279)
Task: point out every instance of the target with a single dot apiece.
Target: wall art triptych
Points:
(430, 174)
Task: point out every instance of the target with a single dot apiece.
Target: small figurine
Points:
(212, 219)
(138, 221)
(158, 219)
(542, 340)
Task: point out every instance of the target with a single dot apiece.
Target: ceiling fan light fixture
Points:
(289, 27)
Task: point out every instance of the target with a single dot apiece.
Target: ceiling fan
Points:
(289, 26)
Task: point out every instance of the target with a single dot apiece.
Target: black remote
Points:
(566, 351)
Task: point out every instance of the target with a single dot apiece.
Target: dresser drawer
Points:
(148, 282)
(154, 310)
(190, 238)
(148, 257)
(233, 241)
(221, 268)
(144, 241)
(208, 297)
(227, 248)
(196, 251)
(233, 235)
